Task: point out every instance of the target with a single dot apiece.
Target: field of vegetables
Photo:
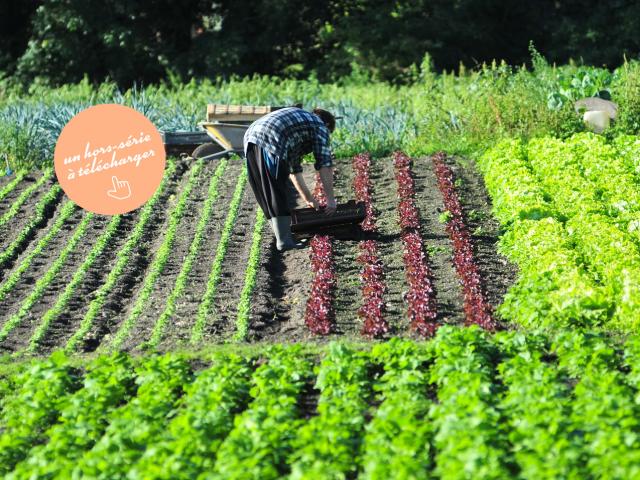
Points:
(196, 264)
(571, 213)
(466, 404)
(482, 325)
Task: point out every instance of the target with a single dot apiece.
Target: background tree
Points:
(59, 41)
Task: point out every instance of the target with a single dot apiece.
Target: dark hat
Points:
(327, 117)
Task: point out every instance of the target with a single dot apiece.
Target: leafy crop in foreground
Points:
(139, 423)
(328, 445)
(42, 394)
(605, 411)
(263, 434)
(188, 447)
(397, 443)
(469, 436)
(464, 404)
(108, 383)
(537, 403)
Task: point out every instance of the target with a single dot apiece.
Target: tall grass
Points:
(461, 112)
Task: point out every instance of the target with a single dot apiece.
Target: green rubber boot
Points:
(282, 230)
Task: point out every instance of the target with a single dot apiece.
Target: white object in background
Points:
(8, 171)
(597, 120)
(591, 104)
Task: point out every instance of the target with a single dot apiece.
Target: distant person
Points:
(274, 146)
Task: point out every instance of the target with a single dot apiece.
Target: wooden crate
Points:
(236, 113)
(310, 220)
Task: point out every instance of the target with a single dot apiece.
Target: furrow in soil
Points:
(38, 235)
(19, 336)
(385, 199)
(222, 323)
(280, 298)
(66, 324)
(122, 298)
(348, 294)
(184, 235)
(39, 265)
(498, 274)
(10, 231)
(436, 240)
(179, 328)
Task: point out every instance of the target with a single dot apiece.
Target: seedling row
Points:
(196, 264)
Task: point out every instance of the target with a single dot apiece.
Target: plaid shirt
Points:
(290, 133)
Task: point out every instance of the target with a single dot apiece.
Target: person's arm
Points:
(326, 176)
(298, 182)
(324, 165)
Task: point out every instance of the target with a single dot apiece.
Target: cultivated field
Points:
(512, 282)
(197, 264)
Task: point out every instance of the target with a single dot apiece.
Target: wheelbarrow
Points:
(221, 134)
(226, 126)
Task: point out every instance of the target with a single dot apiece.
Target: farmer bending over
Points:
(274, 146)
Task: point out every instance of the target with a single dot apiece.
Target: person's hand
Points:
(331, 206)
(313, 203)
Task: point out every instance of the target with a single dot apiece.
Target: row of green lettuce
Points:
(463, 405)
(571, 214)
(461, 112)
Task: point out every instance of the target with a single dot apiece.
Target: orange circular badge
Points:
(109, 159)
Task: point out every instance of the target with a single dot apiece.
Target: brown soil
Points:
(165, 283)
(279, 301)
(39, 265)
(497, 272)
(122, 297)
(19, 336)
(283, 281)
(385, 199)
(437, 242)
(69, 320)
(178, 331)
(345, 251)
(279, 305)
(10, 231)
(222, 324)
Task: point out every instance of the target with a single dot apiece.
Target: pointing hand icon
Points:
(121, 189)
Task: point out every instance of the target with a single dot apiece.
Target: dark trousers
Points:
(270, 192)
